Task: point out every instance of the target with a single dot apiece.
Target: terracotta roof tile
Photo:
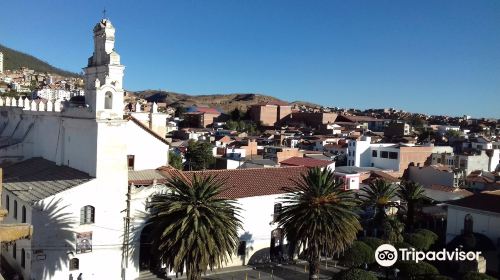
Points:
(248, 182)
(307, 162)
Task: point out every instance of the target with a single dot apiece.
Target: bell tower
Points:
(104, 75)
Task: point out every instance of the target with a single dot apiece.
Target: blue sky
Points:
(437, 57)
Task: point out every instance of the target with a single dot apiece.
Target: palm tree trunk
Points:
(314, 264)
(410, 216)
(193, 273)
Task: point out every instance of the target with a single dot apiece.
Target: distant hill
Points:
(13, 60)
(224, 102)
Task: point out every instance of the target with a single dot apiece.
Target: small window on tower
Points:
(108, 100)
(131, 162)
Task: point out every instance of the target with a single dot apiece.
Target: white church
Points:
(82, 176)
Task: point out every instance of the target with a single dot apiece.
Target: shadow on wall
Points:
(138, 244)
(53, 243)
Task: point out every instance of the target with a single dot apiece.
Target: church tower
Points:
(104, 75)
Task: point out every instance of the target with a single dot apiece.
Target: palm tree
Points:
(193, 227)
(412, 193)
(379, 195)
(318, 215)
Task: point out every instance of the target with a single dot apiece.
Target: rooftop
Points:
(37, 178)
(485, 201)
(306, 162)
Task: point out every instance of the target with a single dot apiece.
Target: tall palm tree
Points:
(193, 227)
(379, 195)
(412, 193)
(318, 215)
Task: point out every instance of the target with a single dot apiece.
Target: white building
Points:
(1, 62)
(479, 213)
(397, 157)
(259, 202)
(52, 94)
(70, 174)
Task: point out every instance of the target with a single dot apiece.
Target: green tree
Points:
(193, 228)
(175, 160)
(393, 230)
(358, 255)
(379, 195)
(237, 114)
(422, 239)
(412, 193)
(453, 133)
(179, 110)
(318, 214)
(354, 274)
(413, 270)
(373, 242)
(199, 155)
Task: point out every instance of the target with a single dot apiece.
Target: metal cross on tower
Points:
(104, 13)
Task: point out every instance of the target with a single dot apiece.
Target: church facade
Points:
(66, 173)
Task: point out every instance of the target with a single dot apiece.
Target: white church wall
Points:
(149, 152)
(55, 230)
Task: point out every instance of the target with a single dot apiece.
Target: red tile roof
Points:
(248, 182)
(374, 175)
(485, 201)
(306, 162)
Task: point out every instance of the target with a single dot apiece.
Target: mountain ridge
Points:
(226, 102)
(13, 60)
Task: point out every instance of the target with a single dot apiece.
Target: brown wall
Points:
(208, 119)
(251, 148)
(283, 112)
(266, 114)
(288, 153)
(417, 155)
(312, 119)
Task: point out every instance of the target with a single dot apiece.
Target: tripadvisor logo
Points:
(387, 255)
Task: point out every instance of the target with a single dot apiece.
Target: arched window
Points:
(108, 100)
(14, 251)
(15, 209)
(7, 203)
(87, 214)
(74, 264)
(468, 224)
(23, 214)
(23, 258)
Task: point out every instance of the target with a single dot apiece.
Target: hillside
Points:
(13, 60)
(225, 102)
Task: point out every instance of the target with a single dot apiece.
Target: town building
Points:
(269, 113)
(311, 119)
(200, 117)
(397, 129)
(442, 175)
(487, 160)
(397, 157)
(478, 214)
